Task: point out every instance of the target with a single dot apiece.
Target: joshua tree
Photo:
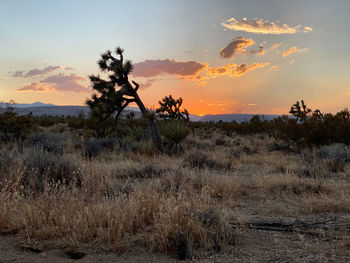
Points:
(300, 111)
(115, 94)
(112, 100)
(170, 109)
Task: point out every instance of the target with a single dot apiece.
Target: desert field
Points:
(220, 198)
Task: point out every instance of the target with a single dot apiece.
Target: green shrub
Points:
(175, 130)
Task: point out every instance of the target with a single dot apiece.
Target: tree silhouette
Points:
(300, 111)
(115, 94)
(110, 100)
(170, 109)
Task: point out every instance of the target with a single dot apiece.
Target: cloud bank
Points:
(59, 82)
(191, 70)
(261, 26)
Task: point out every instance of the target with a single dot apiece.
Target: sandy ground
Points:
(252, 246)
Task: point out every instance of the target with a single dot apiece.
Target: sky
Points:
(251, 56)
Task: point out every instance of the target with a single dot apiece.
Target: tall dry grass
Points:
(119, 198)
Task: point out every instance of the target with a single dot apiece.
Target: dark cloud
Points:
(236, 46)
(17, 73)
(260, 51)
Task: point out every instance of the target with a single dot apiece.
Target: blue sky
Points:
(72, 34)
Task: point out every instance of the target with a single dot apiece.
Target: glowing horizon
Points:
(221, 57)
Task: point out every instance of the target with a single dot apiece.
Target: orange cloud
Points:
(261, 26)
(35, 86)
(220, 71)
(236, 46)
(191, 70)
(274, 67)
(294, 50)
(230, 70)
(289, 51)
(244, 68)
(276, 45)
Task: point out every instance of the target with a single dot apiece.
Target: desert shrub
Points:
(336, 151)
(137, 132)
(199, 144)
(7, 157)
(335, 155)
(50, 142)
(58, 128)
(94, 146)
(237, 151)
(48, 120)
(313, 167)
(101, 128)
(13, 126)
(314, 129)
(277, 146)
(42, 167)
(223, 141)
(131, 129)
(146, 147)
(200, 160)
(144, 171)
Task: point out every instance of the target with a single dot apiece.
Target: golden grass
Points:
(129, 199)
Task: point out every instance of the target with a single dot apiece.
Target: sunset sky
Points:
(220, 56)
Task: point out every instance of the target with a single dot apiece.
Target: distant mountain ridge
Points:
(35, 104)
(235, 117)
(39, 109)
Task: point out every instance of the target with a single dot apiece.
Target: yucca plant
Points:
(175, 131)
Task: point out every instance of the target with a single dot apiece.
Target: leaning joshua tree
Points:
(116, 93)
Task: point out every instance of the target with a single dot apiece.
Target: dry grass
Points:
(139, 198)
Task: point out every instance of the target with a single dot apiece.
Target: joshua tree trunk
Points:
(154, 130)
